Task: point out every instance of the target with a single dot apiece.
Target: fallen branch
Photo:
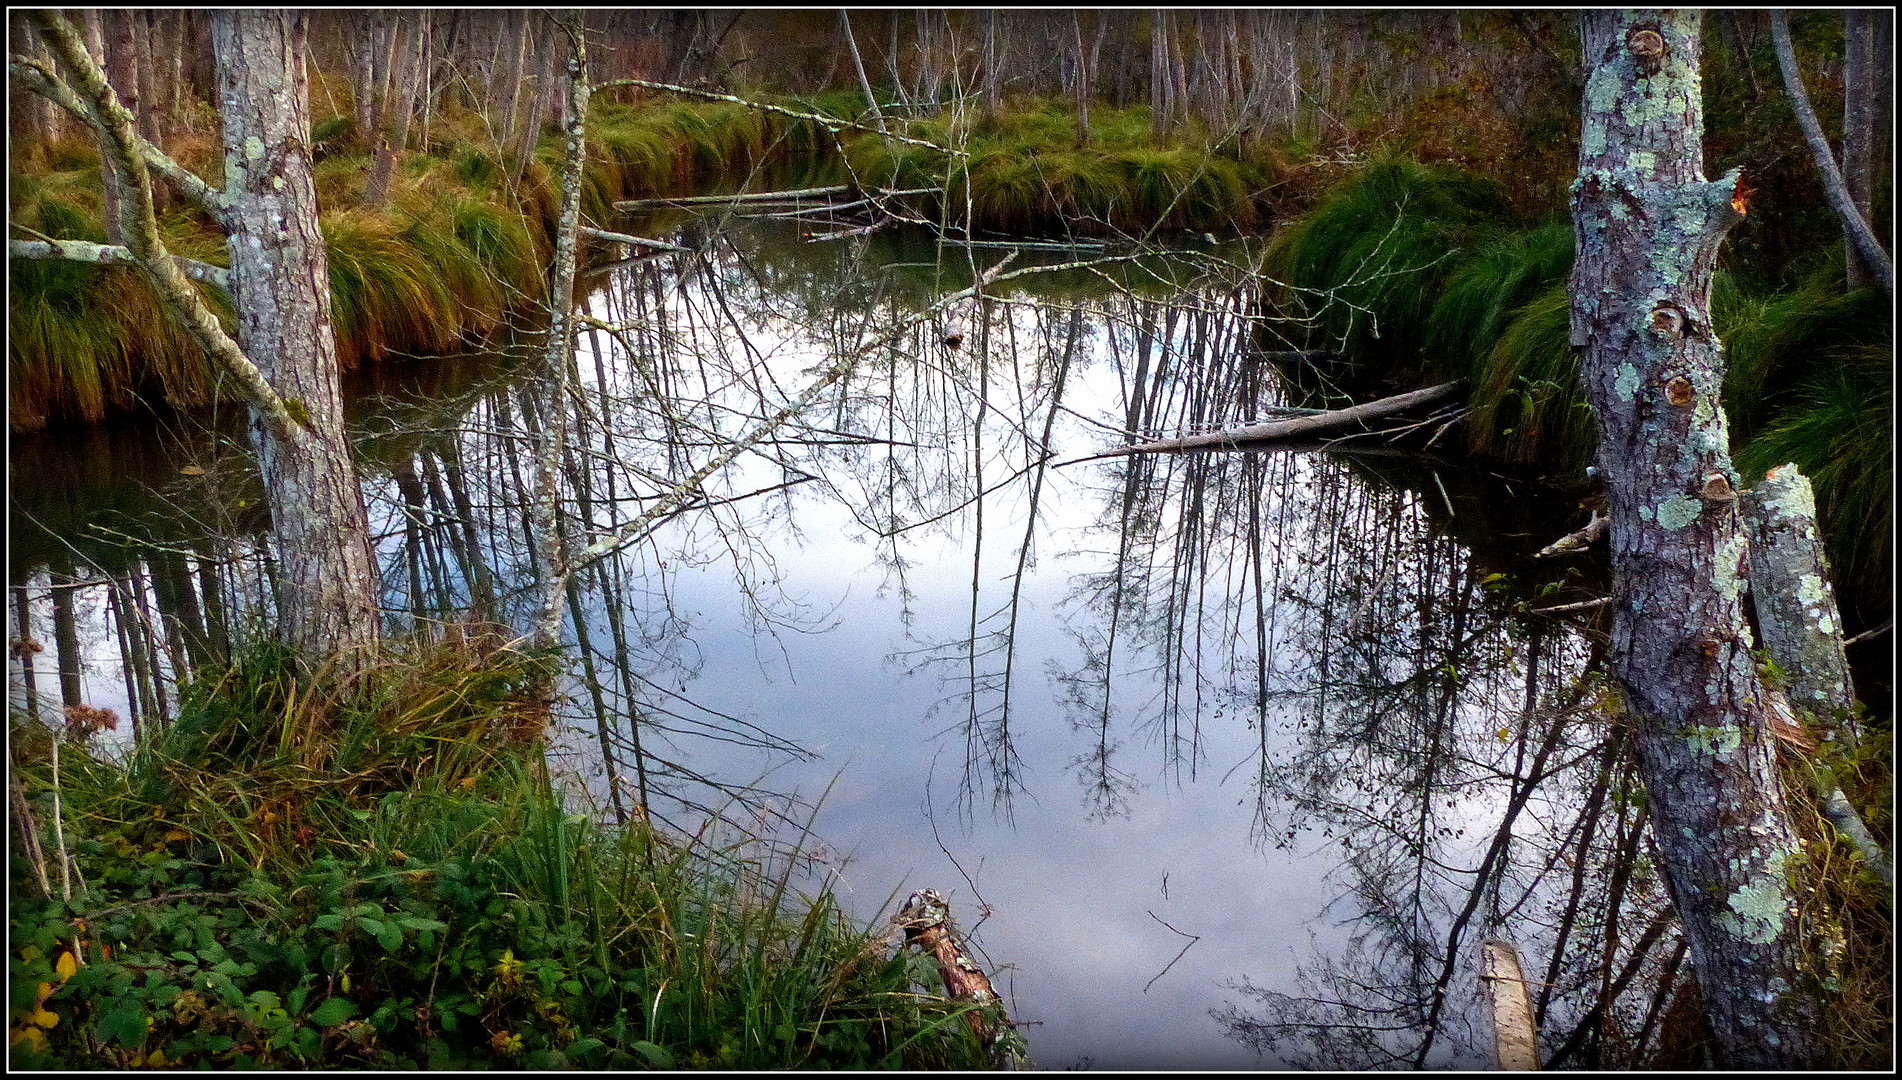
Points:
(1593, 531)
(926, 919)
(742, 197)
(637, 241)
(1329, 422)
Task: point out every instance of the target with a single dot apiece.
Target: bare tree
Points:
(1855, 223)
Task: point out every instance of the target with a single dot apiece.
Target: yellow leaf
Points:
(66, 966)
(31, 1036)
(176, 835)
(191, 470)
(42, 1018)
(156, 1059)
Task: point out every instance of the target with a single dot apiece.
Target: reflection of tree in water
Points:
(1456, 748)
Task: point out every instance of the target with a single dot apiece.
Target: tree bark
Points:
(280, 288)
(1648, 228)
(398, 104)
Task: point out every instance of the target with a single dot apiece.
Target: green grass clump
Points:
(302, 874)
(1363, 272)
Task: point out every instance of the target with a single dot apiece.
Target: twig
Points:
(1193, 938)
(1580, 606)
(1872, 632)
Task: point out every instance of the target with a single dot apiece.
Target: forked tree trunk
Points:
(1648, 230)
(280, 289)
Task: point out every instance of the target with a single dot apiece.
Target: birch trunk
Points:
(280, 290)
(1648, 229)
(552, 404)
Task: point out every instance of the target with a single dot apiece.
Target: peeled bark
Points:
(280, 286)
(926, 919)
(1648, 230)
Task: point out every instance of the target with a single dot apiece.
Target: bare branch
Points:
(87, 251)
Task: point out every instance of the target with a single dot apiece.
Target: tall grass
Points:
(387, 875)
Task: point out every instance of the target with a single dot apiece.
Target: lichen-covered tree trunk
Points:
(280, 290)
(1648, 229)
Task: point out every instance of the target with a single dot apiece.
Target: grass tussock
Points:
(300, 874)
(1025, 170)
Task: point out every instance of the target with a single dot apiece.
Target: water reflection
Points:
(1304, 687)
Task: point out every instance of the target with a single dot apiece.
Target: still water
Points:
(1224, 760)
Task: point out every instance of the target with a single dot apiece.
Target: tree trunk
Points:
(1859, 109)
(993, 59)
(363, 72)
(1083, 72)
(1159, 81)
(1648, 229)
(529, 123)
(66, 635)
(280, 289)
(552, 403)
(858, 64)
(1855, 224)
(398, 104)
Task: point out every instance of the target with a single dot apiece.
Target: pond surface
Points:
(1223, 760)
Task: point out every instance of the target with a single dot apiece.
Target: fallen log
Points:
(1330, 422)
(926, 919)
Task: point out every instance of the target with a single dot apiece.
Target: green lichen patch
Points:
(1679, 511)
(1627, 382)
(1756, 910)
